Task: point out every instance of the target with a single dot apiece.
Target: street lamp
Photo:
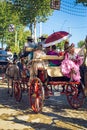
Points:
(11, 28)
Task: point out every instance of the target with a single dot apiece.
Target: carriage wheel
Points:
(36, 94)
(10, 87)
(75, 95)
(17, 91)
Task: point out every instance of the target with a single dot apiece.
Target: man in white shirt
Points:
(29, 46)
(30, 43)
(42, 38)
(9, 55)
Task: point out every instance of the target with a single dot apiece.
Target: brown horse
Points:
(12, 73)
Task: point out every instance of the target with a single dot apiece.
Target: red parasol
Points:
(55, 38)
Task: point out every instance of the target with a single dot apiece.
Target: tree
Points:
(33, 11)
(8, 16)
(17, 38)
(80, 44)
(84, 2)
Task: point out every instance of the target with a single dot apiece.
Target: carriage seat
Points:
(54, 71)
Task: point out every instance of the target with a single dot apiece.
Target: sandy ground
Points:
(56, 114)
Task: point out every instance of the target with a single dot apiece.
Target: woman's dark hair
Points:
(66, 45)
(54, 47)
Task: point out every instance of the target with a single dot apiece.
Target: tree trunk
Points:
(35, 37)
(31, 29)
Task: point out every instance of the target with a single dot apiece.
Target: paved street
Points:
(56, 115)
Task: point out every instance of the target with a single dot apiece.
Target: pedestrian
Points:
(15, 56)
(9, 55)
(23, 68)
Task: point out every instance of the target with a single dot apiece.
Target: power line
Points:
(72, 8)
(85, 27)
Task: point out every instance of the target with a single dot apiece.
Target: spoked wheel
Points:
(17, 91)
(75, 95)
(36, 94)
(10, 87)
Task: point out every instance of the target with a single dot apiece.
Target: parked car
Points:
(3, 57)
(3, 61)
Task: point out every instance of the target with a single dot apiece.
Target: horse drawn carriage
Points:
(50, 79)
(42, 83)
(45, 82)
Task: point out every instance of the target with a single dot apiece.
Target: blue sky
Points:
(71, 18)
(75, 24)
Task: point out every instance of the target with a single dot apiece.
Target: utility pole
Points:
(40, 29)
(15, 37)
(35, 35)
(69, 30)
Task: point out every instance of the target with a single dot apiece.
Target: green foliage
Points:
(15, 49)
(7, 16)
(18, 40)
(80, 44)
(33, 9)
(60, 45)
(21, 13)
(84, 2)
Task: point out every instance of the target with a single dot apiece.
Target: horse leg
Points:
(10, 86)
